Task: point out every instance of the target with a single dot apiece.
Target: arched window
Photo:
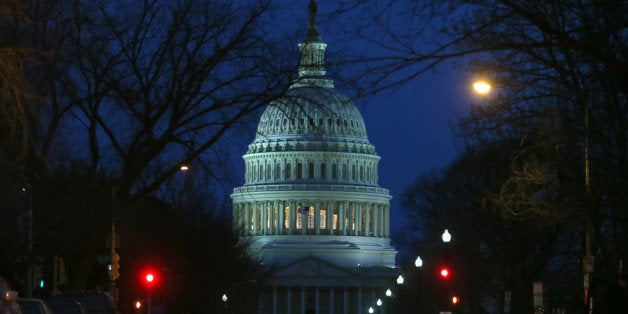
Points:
(334, 172)
(353, 173)
(344, 172)
(323, 170)
(288, 171)
(277, 171)
(311, 170)
(299, 171)
(361, 172)
(268, 171)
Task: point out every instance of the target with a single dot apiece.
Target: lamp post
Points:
(225, 299)
(418, 263)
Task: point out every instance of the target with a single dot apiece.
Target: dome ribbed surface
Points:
(312, 113)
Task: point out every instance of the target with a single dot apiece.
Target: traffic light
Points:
(455, 300)
(444, 273)
(149, 278)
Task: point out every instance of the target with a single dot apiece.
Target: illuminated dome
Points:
(311, 203)
(312, 113)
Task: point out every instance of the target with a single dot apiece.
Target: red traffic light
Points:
(149, 278)
(444, 273)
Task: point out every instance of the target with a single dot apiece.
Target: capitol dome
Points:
(312, 113)
(311, 204)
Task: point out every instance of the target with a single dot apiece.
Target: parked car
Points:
(33, 306)
(96, 302)
(64, 307)
(7, 299)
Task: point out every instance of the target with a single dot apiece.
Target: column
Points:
(360, 300)
(293, 213)
(317, 217)
(358, 218)
(380, 219)
(247, 218)
(274, 300)
(317, 308)
(255, 217)
(331, 300)
(302, 299)
(289, 300)
(330, 217)
(386, 220)
(345, 301)
(270, 225)
(367, 219)
(343, 213)
(264, 209)
(304, 221)
(281, 207)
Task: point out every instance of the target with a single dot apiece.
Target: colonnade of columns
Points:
(318, 299)
(320, 217)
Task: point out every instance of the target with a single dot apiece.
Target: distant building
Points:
(311, 201)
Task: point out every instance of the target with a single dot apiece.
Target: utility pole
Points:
(114, 267)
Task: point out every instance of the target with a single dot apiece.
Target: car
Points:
(33, 306)
(71, 307)
(96, 302)
(7, 299)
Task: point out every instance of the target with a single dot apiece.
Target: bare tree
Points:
(157, 84)
(558, 69)
(491, 254)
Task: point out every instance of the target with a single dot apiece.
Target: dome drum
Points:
(301, 216)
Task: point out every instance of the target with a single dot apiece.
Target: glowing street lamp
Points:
(400, 280)
(446, 236)
(371, 309)
(388, 293)
(481, 87)
(418, 262)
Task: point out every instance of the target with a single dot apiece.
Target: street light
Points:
(482, 87)
(371, 309)
(388, 293)
(446, 236)
(224, 299)
(400, 280)
(418, 262)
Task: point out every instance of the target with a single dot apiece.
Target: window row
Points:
(360, 172)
